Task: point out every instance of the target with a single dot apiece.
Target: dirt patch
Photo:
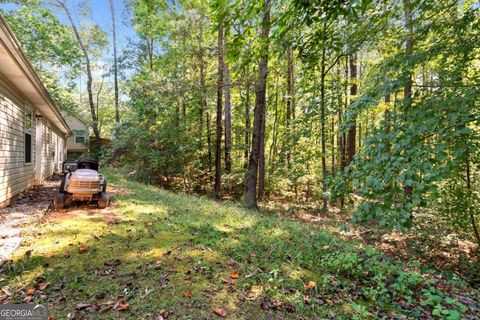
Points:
(30, 206)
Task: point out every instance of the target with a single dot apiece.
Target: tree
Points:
(218, 142)
(259, 113)
(115, 62)
(88, 68)
(228, 123)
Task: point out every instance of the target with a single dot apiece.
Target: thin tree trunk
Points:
(203, 94)
(150, 52)
(322, 114)
(228, 123)
(259, 114)
(273, 145)
(352, 130)
(209, 142)
(93, 112)
(408, 189)
(289, 102)
(247, 128)
(115, 63)
(332, 141)
(476, 232)
(261, 162)
(218, 143)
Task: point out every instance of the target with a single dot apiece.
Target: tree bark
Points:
(218, 143)
(352, 130)
(115, 62)
(228, 123)
(259, 114)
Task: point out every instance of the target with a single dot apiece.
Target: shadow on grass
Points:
(155, 247)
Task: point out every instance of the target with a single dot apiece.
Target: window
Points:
(80, 136)
(28, 124)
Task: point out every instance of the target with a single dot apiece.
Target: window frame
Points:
(80, 133)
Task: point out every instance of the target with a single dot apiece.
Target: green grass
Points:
(168, 244)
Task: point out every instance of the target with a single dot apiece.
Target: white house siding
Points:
(53, 150)
(15, 175)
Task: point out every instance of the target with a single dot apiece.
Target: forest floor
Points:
(154, 254)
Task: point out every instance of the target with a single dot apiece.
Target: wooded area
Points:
(308, 101)
(367, 108)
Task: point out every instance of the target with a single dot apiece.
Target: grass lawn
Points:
(158, 255)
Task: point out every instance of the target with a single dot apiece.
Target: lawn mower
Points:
(81, 181)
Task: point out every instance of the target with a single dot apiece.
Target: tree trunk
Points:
(259, 114)
(261, 162)
(209, 142)
(332, 141)
(408, 189)
(352, 130)
(115, 63)
(247, 128)
(289, 102)
(218, 142)
(476, 232)
(322, 114)
(228, 123)
(203, 92)
(93, 112)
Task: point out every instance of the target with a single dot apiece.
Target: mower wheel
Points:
(103, 199)
(59, 201)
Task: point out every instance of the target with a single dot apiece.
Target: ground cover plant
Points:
(155, 254)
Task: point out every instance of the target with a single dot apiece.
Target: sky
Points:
(100, 15)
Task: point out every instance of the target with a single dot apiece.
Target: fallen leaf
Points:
(58, 300)
(66, 255)
(122, 307)
(163, 314)
(51, 318)
(28, 253)
(234, 275)
(329, 302)
(187, 294)
(219, 312)
(28, 299)
(42, 286)
(158, 264)
(310, 285)
(31, 291)
(7, 291)
(70, 316)
(82, 249)
(81, 306)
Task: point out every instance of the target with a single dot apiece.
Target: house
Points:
(32, 131)
(77, 144)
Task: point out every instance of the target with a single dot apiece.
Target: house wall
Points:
(17, 176)
(53, 150)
